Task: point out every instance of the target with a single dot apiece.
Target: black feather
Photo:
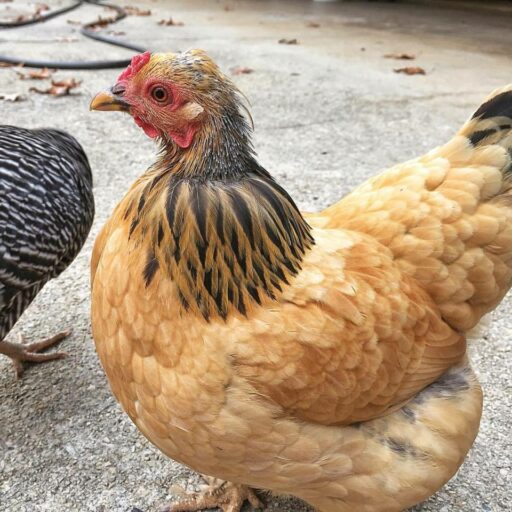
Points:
(498, 106)
(478, 136)
(150, 269)
(243, 215)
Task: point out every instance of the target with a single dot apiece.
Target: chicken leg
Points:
(227, 496)
(20, 353)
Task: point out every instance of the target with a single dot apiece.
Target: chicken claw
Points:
(227, 496)
(20, 353)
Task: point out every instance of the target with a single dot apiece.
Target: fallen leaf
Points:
(410, 70)
(135, 11)
(171, 23)
(37, 14)
(66, 39)
(71, 82)
(288, 41)
(11, 65)
(16, 96)
(39, 74)
(312, 24)
(21, 18)
(400, 56)
(40, 8)
(74, 22)
(58, 87)
(101, 23)
(242, 70)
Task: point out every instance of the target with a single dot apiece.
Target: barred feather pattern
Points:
(46, 212)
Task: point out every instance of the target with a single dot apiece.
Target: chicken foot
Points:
(20, 353)
(227, 496)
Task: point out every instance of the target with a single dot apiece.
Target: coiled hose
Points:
(86, 30)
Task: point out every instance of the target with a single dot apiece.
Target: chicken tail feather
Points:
(491, 124)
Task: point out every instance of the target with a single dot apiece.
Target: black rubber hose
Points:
(120, 14)
(86, 30)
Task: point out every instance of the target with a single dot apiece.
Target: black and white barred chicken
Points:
(46, 212)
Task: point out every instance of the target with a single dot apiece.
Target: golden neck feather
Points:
(225, 244)
(216, 222)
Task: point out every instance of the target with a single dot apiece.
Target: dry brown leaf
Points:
(288, 41)
(21, 18)
(38, 74)
(14, 97)
(72, 83)
(242, 70)
(38, 13)
(66, 39)
(312, 24)
(400, 56)
(58, 87)
(171, 23)
(101, 23)
(40, 8)
(136, 11)
(411, 70)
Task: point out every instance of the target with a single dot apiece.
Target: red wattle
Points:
(184, 139)
(149, 130)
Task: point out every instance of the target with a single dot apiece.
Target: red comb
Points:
(137, 63)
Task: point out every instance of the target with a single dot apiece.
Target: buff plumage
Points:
(319, 355)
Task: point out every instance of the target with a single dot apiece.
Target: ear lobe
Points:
(191, 111)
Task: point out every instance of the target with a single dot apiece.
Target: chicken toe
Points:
(227, 496)
(20, 353)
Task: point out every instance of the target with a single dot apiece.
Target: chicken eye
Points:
(160, 94)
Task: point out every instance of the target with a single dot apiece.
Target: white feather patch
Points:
(191, 110)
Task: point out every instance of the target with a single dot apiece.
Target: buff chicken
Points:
(46, 212)
(316, 355)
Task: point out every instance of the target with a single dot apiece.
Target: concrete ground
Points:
(329, 112)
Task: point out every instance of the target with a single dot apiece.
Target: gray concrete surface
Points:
(329, 112)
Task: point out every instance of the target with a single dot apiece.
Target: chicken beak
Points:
(109, 100)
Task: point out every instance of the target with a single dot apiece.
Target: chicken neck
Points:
(219, 225)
